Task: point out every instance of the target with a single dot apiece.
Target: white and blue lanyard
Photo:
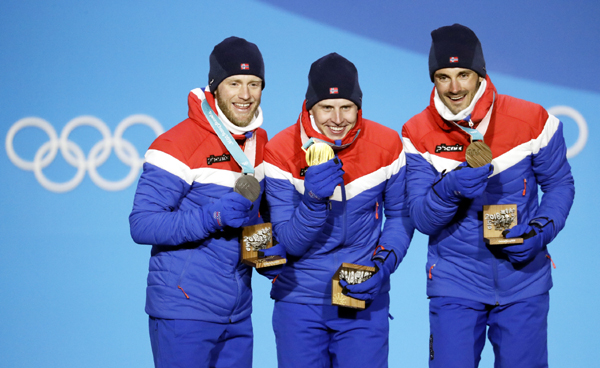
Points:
(234, 149)
(474, 133)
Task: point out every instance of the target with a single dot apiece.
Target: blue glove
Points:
(231, 210)
(320, 182)
(463, 182)
(369, 289)
(273, 271)
(535, 240)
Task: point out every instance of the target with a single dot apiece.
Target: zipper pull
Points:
(550, 258)
(431, 269)
(184, 293)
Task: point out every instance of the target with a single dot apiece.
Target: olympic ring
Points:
(72, 153)
(581, 124)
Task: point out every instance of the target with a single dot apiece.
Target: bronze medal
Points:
(478, 154)
(247, 186)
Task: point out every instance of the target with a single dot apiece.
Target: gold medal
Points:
(319, 153)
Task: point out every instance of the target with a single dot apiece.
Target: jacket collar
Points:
(195, 113)
(481, 107)
(349, 138)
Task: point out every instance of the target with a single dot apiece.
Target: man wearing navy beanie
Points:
(199, 296)
(332, 213)
(470, 148)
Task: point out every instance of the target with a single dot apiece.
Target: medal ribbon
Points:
(238, 155)
(475, 134)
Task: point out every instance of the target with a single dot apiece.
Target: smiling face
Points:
(238, 96)
(456, 87)
(335, 117)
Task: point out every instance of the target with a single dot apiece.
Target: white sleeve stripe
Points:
(373, 179)
(226, 178)
(203, 175)
(442, 163)
(223, 178)
(353, 189)
(409, 147)
(170, 164)
(518, 153)
(544, 138)
(439, 163)
(275, 172)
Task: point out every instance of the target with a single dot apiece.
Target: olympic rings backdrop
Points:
(86, 86)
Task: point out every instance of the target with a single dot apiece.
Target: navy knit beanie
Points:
(455, 46)
(333, 76)
(234, 56)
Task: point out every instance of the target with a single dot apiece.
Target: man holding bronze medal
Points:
(331, 178)
(511, 148)
(202, 182)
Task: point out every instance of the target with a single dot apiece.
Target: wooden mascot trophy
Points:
(497, 217)
(256, 237)
(353, 274)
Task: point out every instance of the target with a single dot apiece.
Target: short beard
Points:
(226, 109)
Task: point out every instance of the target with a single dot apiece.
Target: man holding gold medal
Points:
(511, 147)
(331, 178)
(202, 182)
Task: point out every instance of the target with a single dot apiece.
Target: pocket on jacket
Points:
(185, 267)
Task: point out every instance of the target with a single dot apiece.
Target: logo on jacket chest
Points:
(445, 148)
(215, 159)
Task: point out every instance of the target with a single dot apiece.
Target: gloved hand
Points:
(463, 182)
(273, 271)
(535, 238)
(320, 182)
(275, 250)
(231, 210)
(369, 289)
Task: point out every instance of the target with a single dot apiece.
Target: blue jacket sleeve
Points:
(294, 224)
(553, 175)
(398, 228)
(156, 218)
(428, 211)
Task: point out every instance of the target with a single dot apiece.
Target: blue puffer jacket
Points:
(528, 151)
(351, 228)
(194, 273)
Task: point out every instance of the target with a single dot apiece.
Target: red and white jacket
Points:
(528, 152)
(351, 227)
(193, 274)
